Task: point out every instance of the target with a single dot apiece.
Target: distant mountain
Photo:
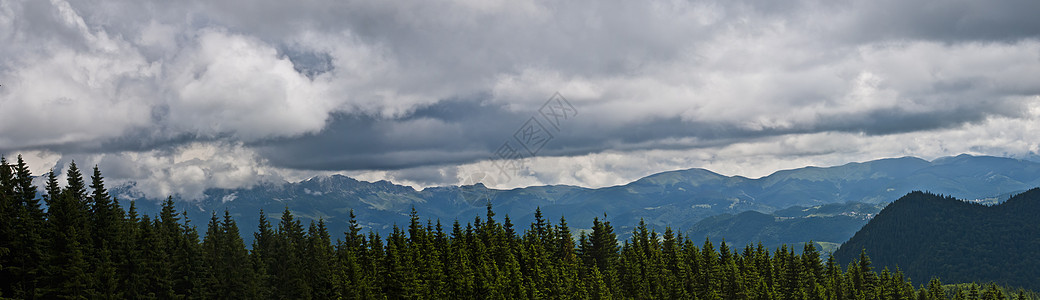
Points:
(677, 198)
(926, 234)
(827, 225)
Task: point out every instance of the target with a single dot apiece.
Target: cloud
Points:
(422, 92)
(232, 84)
(952, 21)
(185, 171)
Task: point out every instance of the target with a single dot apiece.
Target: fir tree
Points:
(106, 223)
(289, 248)
(228, 272)
(320, 259)
(262, 256)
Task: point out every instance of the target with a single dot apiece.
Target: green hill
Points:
(926, 234)
(826, 225)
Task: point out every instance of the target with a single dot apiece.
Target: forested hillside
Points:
(826, 225)
(85, 245)
(932, 235)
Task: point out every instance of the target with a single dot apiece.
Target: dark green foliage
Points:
(226, 262)
(289, 268)
(66, 270)
(88, 247)
(931, 235)
(22, 236)
(106, 230)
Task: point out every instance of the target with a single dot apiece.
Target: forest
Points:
(75, 241)
(936, 235)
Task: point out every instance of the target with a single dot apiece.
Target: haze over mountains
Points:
(679, 199)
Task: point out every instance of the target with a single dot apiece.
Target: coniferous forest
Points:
(87, 245)
(929, 234)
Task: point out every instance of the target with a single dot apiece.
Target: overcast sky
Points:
(180, 96)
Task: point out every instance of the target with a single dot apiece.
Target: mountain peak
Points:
(693, 176)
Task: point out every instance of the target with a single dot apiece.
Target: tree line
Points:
(85, 245)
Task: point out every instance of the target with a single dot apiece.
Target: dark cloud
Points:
(947, 21)
(419, 87)
(464, 131)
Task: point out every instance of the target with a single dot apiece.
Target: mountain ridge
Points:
(677, 198)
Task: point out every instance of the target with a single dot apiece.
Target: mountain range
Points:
(680, 199)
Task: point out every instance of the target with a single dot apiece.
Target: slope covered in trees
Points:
(931, 235)
(827, 225)
(86, 245)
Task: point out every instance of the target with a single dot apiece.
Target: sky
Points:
(177, 97)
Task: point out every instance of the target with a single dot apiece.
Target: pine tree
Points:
(535, 258)
(675, 267)
(811, 263)
(187, 271)
(66, 275)
(460, 276)
(731, 285)
(935, 290)
(595, 285)
(22, 236)
(133, 267)
(155, 266)
(349, 276)
(52, 188)
(431, 257)
(106, 220)
(374, 257)
(320, 260)
(709, 270)
(228, 272)
(400, 279)
(602, 251)
(993, 292)
(864, 277)
(289, 248)
(8, 235)
(960, 295)
(76, 186)
(262, 256)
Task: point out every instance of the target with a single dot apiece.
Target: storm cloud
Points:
(180, 96)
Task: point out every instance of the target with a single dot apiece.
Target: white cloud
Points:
(232, 84)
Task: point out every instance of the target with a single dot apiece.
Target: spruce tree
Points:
(132, 268)
(460, 274)
(154, 261)
(289, 248)
(106, 222)
(76, 186)
(23, 220)
(263, 256)
(320, 259)
(935, 289)
(66, 276)
(8, 235)
(227, 268)
(349, 276)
